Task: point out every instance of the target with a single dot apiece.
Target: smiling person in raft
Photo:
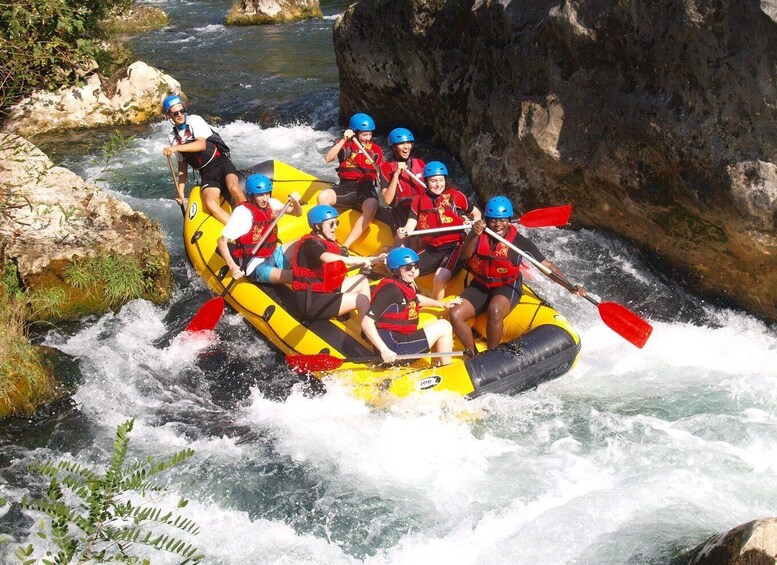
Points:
(360, 161)
(439, 206)
(320, 295)
(496, 274)
(402, 186)
(259, 252)
(391, 323)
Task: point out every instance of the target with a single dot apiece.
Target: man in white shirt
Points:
(257, 247)
(199, 146)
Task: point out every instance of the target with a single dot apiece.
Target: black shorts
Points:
(318, 305)
(399, 216)
(215, 175)
(479, 296)
(444, 257)
(405, 344)
(352, 194)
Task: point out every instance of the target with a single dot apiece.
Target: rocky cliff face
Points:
(656, 119)
(76, 249)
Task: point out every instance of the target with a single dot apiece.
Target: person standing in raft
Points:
(315, 300)
(402, 188)
(358, 174)
(391, 323)
(248, 225)
(496, 274)
(196, 144)
(439, 206)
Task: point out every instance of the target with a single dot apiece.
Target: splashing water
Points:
(633, 457)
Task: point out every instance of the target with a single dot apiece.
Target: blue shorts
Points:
(275, 261)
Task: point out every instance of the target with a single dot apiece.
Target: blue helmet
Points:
(321, 213)
(401, 256)
(435, 168)
(361, 122)
(400, 135)
(499, 207)
(258, 184)
(171, 101)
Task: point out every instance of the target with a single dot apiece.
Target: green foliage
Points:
(112, 148)
(46, 303)
(10, 280)
(24, 381)
(103, 524)
(114, 279)
(117, 143)
(44, 43)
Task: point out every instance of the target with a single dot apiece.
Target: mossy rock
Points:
(135, 20)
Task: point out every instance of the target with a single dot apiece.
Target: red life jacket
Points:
(495, 266)
(304, 277)
(407, 188)
(262, 218)
(405, 321)
(439, 212)
(214, 148)
(355, 166)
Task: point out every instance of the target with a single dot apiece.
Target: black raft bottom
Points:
(542, 354)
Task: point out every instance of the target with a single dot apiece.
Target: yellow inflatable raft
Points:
(539, 343)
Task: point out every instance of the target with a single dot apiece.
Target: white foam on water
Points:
(632, 456)
(210, 28)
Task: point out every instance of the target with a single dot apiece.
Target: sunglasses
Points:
(410, 266)
(332, 224)
(178, 113)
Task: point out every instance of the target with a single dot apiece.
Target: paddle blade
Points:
(304, 364)
(334, 275)
(547, 217)
(625, 322)
(208, 316)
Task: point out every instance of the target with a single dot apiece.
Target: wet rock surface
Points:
(656, 120)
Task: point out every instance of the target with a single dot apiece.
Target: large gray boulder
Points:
(754, 543)
(72, 242)
(656, 119)
(251, 12)
(132, 97)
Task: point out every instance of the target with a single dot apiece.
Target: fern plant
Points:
(91, 517)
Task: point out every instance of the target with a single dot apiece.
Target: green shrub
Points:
(45, 43)
(98, 522)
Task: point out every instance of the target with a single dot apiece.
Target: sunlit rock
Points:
(657, 120)
(250, 12)
(76, 249)
(133, 97)
(748, 544)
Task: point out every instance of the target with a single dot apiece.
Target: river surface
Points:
(633, 457)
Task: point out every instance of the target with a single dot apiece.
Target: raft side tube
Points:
(542, 354)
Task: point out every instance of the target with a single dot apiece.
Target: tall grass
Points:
(24, 380)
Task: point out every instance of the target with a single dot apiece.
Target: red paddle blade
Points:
(208, 316)
(334, 275)
(547, 217)
(311, 363)
(625, 322)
